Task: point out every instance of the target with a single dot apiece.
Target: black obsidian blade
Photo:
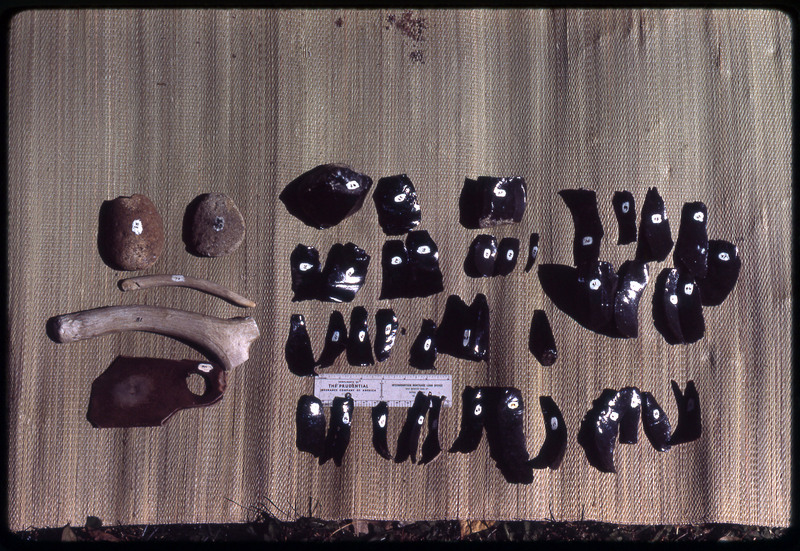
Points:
(655, 423)
(408, 441)
(430, 446)
(338, 436)
(723, 271)
(423, 257)
(299, 355)
(598, 292)
(632, 279)
(344, 273)
(504, 432)
(380, 419)
(655, 240)
(359, 349)
(385, 333)
(541, 342)
(533, 251)
(690, 308)
(582, 204)
(625, 211)
(689, 426)
(335, 340)
(481, 256)
(306, 273)
(396, 202)
(464, 330)
(507, 253)
(629, 400)
(555, 440)
(423, 349)
(691, 246)
(598, 432)
(666, 318)
(472, 415)
(396, 270)
(489, 201)
(325, 195)
(310, 424)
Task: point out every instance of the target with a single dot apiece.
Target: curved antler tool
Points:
(205, 286)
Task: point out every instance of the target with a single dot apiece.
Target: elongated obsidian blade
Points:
(598, 432)
(507, 253)
(489, 201)
(310, 424)
(632, 279)
(582, 204)
(541, 342)
(481, 256)
(306, 273)
(338, 437)
(598, 293)
(408, 441)
(625, 211)
(504, 432)
(385, 333)
(335, 340)
(655, 239)
(691, 247)
(430, 446)
(344, 272)
(666, 318)
(423, 349)
(464, 330)
(325, 195)
(359, 349)
(629, 400)
(472, 414)
(655, 423)
(555, 440)
(396, 270)
(396, 202)
(533, 251)
(723, 271)
(423, 256)
(380, 419)
(690, 308)
(299, 355)
(477, 330)
(689, 426)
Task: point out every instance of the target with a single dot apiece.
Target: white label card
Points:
(368, 389)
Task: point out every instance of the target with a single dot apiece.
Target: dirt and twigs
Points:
(412, 27)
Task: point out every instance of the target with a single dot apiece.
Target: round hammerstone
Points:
(212, 225)
(130, 233)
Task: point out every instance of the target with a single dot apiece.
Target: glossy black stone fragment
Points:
(408, 440)
(655, 423)
(298, 352)
(691, 246)
(629, 401)
(541, 342)
(430, 446)
(396, 202)
(625, 211)
(344, 273)
(338, 437)
(335, 340)
(598, 294)
(359, 348)
(306, 273)
(481, 256)
(507, 253)
(598, 432)
(633, 277)
(489, 201)
(472, 415)
(666, 318)
(690, 308)
(385, 333)
(380, 420)
(655, 239)
(555, 440)
(464, 330)
(325, 195)
(533, 251)
(582, 204)
(723, 271)
(423, 349)
(689, 426)
(310, 425)
(395, 269)
(423, 257)
(504, 425)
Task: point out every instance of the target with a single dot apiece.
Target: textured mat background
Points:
(177, 103)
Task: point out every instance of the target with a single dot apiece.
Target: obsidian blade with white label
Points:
(666, 317)
(359, 348)
(481, 256)
(310, 425)
(306, 273)
(691, 247)
(408, 440)
(507, 253)
(472, 415)
(655, 423)
(335, 340)
(430, 446)
(344, 273)
(464, 330)
(490, 201)
(338, 437)
(655, 239)
(504, 431)
(582, 204)
(625, 211)
(555, 440)
(598, 293)
(723, 271)
(632, 279)
(385, 333)
(298, 352)
(690, 308)
(380, 421)
(423, 257)
(598, 432)
(533, 251)
(423, 349)
(629, 400)
(396, 202)
(395, 269)
(689, 426)
(541, 342)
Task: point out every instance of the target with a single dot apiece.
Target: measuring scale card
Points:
(369, 389)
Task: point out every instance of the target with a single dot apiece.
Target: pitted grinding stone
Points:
(130, 233)
(212, 225)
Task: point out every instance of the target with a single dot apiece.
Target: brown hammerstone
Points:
(130, 233)
(212, 225)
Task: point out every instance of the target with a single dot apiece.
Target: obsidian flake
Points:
(408, 440)
(385, 333)
(472, 415)
(504, 425)
(306, 273)
(310, 425)
(481, 256)
(507, 253)
(423, 256)
(689, 426)
(598, 293)
(490, 201)
(396, 270)
(655, 239)
(430, 446)
(723, 272)
(464, 330)
(359, 348)
(423, 349)
(396, 202)
(582, 204)
(555, 441)
(629, 401)
(633, 277)
(380, 420)
(541, 342)
(338, 437)
(655, 423)
(335, 340)
(598, 432)
(625, 211)
(298, 352)
(690, 308)
(691, 247)
(533, 251)
(666, 318)
(344, 273)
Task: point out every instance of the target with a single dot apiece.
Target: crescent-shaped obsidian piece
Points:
(338, 437)
(306, 273)
(481, 256)
(655, 239)
(335, 340)
(344, 273)
(689, 426)
(632, 279)
(533, 251)
(310, 425)
(555, 440)
(408, 440)
(385, 333)
(629, 402)
(359, 348)
(691, 246)
(541, 342)
(723, 272)
(395, 270)
(425, 277)
(582, 204)
(598, 432)
(380, 420)
(625, 211)
(472, 415)
(396, 202)
(655, 423)
(504, 425)
(507, 253)
(430, 446)
(490, 201)
(423, 349)
(298, 352)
